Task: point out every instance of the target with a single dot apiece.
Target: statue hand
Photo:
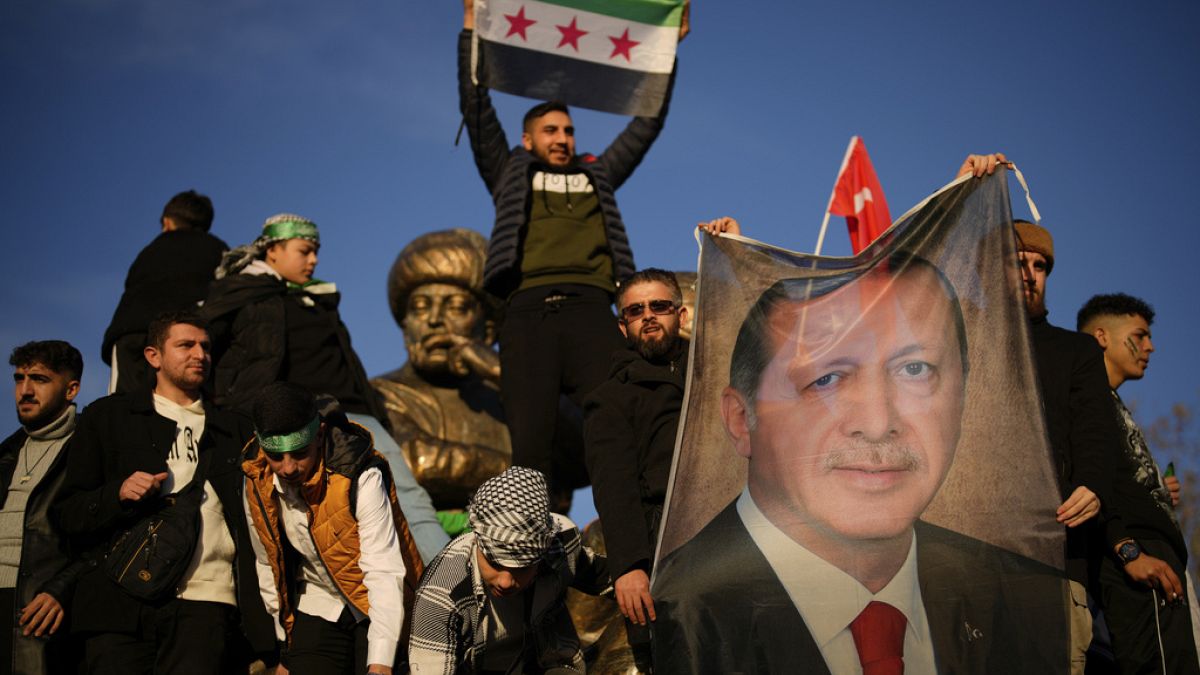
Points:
(468, 356)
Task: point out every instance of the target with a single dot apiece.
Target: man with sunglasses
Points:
(629, 437)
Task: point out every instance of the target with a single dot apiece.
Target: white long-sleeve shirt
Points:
(380, 559)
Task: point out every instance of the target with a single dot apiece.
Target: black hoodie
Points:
(630, 422)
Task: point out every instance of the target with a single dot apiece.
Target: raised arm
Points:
(488, 143)
(628, 149)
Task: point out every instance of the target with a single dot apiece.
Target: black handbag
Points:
(148, 560)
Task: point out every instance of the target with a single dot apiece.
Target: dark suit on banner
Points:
(722, 609)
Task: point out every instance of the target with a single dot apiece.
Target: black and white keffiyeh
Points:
(510, 515)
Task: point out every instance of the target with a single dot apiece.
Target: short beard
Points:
(655, 349)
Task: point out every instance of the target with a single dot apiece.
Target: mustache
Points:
(887, 455)
(28, 398)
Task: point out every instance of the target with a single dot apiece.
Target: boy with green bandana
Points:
(271, 321)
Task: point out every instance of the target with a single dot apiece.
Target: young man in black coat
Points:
(130, 449)
(36, 573)
(1148, 560)
(557, 249)
(173, 272)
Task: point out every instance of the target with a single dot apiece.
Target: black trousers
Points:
(321, 647)
(179, 637)
(555, 340)
(1147, 636)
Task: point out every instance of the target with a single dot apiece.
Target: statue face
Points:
(439, 317)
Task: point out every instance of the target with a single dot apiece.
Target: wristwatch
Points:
(1128, 552)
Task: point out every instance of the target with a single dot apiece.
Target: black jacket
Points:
(1081, 422)
(630, 421)
(46, 566)
(507, 174)
(249, 331)
(172, 272)
(121, 434)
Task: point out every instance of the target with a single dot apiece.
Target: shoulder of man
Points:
(14, 441)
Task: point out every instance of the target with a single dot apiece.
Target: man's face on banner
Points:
(858, 411)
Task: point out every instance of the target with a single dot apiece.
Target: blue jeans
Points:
(414, 500)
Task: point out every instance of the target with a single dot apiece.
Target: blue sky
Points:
(347, 113)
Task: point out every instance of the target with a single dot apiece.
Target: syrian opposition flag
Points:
(858, 196)
(610, 55)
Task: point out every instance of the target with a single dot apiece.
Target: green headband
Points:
(291, 442)
(291, 229)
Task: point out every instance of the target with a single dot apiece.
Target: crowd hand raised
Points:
(1081, 506)
(140, 485)
(633, 596)
(725, 224)
(1156, 574)
(1173, 486)
(42, 616)
(978, 165)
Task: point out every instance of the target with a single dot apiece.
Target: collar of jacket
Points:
(142, 402)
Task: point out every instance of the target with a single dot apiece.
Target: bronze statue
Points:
(444, 403)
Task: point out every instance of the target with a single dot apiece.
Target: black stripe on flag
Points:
(546, 77)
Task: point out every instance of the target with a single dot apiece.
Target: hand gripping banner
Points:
(862, 473)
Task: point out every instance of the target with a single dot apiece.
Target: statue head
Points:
(435, 291)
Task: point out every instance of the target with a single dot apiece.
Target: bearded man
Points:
(629, 436)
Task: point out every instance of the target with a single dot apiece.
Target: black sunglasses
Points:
(637, 309)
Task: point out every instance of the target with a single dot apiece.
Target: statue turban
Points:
(443, 257)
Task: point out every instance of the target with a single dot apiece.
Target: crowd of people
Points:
(241, 500)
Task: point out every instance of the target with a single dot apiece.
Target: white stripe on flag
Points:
(548, 28)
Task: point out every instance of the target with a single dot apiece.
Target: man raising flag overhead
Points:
(858, 196)
(610, 56)
(558, 246)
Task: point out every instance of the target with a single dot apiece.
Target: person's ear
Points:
(1101, 336)
(621, 325)
(153, 356)
(683, 314)
(527, 141)
(72, 390)
(736, 415)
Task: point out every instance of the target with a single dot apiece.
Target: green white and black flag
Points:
(610, 55)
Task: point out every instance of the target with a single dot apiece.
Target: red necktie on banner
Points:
(859, 197)
(879, 637)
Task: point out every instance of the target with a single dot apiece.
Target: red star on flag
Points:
(571, 34)
(622, 45)
(517, 23)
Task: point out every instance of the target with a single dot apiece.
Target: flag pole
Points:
(833, 194)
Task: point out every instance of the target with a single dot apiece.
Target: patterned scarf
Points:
(510, 515)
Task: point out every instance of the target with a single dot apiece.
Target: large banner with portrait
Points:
(862, 472)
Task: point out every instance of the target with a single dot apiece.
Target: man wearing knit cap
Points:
(271, 320)
(1080, 422)
(337, 566)
(36, 575)
(494, 600)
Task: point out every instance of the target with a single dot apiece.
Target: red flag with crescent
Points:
(858, 196)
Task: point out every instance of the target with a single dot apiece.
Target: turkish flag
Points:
(858, 196)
